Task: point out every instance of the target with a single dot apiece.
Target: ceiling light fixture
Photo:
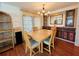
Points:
(43, 12)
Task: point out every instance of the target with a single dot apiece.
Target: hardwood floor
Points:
(62, 48)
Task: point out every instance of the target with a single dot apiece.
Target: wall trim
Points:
(66, 8)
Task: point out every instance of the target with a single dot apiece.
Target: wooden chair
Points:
(35, 28)
(31, 44)
(55, 30)
(50, 40)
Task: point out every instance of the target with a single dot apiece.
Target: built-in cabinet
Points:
(67, 32)
(64, 33)
(6, 32)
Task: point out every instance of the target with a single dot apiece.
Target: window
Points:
(37, 22)
(27, 23)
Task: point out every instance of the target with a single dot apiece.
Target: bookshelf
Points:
(6, 32)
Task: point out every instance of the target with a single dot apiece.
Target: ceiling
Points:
(37, 6)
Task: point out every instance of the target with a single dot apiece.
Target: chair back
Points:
(35, 28)
(53, 33)
(27, 39)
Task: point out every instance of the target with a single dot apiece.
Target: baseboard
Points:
(65, 40)
(77, 45)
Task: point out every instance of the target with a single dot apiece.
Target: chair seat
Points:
(46, 41)
(34, 43)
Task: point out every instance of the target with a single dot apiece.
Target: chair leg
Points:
(30, 52)
(41, 47)
(26, 49)
(53, 45)
(49, 49)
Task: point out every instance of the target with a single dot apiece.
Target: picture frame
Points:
(57, 19)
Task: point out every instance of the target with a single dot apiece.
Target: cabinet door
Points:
(60, 34)
(71, 36)
(70, 18)
(64, 35)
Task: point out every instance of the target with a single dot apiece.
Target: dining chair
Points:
(31, 44)
(50, 40)
(35, 28)
(54, 34)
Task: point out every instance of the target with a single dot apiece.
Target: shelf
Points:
(5, 21)
(5, 48)
(3, 31)
(6, 32)
(5, 40)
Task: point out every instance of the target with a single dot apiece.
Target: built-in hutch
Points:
(6, 32)
(66, 33)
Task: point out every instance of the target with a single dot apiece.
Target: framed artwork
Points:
(57, 19)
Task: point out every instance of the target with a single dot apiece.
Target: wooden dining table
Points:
(40, 36)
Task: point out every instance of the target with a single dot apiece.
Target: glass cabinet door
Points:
(70, 18)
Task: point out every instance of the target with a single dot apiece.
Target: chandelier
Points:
(44, 12)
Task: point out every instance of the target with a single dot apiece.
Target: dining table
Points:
(40, 36)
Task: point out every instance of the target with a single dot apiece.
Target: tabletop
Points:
(40, 35)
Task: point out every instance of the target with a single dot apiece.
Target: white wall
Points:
(0, 5)
(25, 13)
(66, 8)
(14, 12)
(77, 29)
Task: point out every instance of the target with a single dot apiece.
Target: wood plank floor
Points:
(62, 48)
